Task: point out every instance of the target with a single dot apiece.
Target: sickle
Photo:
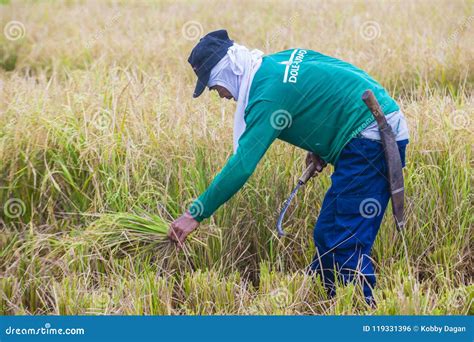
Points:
(301, 181)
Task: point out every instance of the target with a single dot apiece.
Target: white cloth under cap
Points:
(235, 72)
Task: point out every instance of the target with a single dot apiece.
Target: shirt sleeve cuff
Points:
(196, 210)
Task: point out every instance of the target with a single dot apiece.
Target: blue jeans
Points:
(351, 215)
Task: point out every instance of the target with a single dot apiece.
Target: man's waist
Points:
(396, 120)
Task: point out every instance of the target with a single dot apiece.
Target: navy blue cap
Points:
(206, 54)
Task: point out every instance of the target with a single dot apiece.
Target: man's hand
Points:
(182, 227)
(314, 158)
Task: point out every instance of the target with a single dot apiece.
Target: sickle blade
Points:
(286, 205)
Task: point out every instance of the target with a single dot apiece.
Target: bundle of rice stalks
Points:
(129, 231)
(140, 234)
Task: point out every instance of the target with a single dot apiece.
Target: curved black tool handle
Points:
(373, 105)
(392, 157)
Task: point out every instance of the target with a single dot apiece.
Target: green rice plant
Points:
(129, 231)
(148, 294)
(9, 288)
(149, 225)
(283, 293)
(140, 235)
(69, 295)
(209, 292)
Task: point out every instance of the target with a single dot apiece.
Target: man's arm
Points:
(259, 134)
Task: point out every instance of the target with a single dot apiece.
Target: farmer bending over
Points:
(312, 101)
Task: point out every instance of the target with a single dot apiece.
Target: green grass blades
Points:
(152, 225)
(127, 231)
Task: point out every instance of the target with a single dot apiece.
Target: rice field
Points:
(102, 146)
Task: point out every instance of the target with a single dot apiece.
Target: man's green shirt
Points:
(302, 97)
